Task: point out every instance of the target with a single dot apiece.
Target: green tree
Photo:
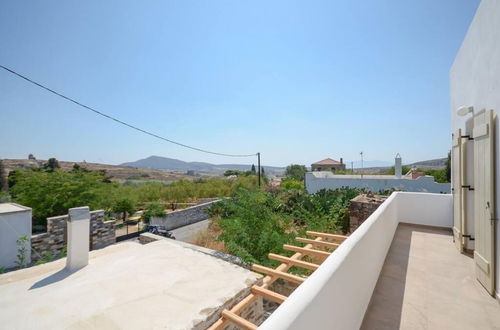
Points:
(153, 210)
(295, 172)
(253, 169)
(448, 167)
(124, 206)
(3, 178)
(51, 193)
(51, 165)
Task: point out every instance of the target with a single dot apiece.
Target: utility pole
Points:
(361, 153)
(258, 165)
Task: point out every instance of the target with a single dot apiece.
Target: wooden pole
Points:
(258, 165)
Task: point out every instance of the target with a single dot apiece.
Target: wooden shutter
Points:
(484, 203)
(457, 179)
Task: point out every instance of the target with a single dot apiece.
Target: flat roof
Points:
(125, 286)
(12, 207)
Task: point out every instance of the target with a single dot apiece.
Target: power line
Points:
(120, 121)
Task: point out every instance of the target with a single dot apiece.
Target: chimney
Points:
(341, 161)
(397, 166)
(78, 238)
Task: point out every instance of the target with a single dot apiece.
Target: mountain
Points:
(170, 164)
(433, 163)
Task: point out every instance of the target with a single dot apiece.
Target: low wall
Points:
(102, 234)
(181, 218)
(361, 207)
(338, 293)
(374, 183)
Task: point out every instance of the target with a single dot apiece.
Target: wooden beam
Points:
(305, 250)
(267, 282)
(268, 294)
(340, 238)
(298, 263)
(273, 272)
(238, 308)
(316, 243)
(238, 320)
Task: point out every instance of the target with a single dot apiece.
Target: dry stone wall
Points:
(184, 217)
(53, 242)
(361, 207)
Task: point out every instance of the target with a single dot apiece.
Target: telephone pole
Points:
(258, 165)
(361, 153)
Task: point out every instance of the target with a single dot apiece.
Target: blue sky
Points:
(296, 80)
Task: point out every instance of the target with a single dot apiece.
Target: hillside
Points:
(118, 173)
(170, 164)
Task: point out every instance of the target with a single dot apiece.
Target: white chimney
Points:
(397, 167)
(78, 238)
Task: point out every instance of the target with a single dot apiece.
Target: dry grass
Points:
(208, 238)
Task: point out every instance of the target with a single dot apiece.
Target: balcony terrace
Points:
(399, 269)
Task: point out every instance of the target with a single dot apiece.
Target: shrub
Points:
(153, 210)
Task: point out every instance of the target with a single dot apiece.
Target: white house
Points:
(317, 180)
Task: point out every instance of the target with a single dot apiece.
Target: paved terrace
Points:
(426, 284)
(161, 285)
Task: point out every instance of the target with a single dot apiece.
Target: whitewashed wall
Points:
(475, 80)
(374, 183)
(13, 225)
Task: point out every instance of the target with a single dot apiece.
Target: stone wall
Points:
(181, 218)
(282, 287)
(53, 242)
(361, 207)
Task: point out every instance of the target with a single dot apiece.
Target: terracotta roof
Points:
(327, 161)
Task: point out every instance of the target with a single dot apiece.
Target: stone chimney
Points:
(398, 169)
(341, 160)
(78, 238)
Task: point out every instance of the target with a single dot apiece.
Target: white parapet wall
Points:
(316, 181)
(338, 293)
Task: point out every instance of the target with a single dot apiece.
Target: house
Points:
(328, 164)
(420, 261)
(412, 181)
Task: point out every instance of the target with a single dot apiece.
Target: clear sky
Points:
(298, 81)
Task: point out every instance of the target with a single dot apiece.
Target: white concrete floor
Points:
(426, 283)
(160, 285)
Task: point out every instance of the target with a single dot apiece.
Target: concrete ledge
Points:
(146, 238)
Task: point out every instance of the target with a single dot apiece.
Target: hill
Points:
(170, 164)
(117, 173)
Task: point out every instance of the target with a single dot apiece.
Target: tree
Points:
(253, 169)
(448, 167)
(31, 157)
(124, 206)
(51, 165)
(53, 193)
(3, 179)
(295, 172)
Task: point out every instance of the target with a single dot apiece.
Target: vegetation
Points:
(295, 172)
(50, 191)
(255, 223)
(3, 179)
(153, 210)
(448, 167)
(22, 246)
(124, 206)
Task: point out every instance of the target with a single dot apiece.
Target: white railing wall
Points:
(336, 296)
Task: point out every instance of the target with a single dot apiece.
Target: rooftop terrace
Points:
(125, 286)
